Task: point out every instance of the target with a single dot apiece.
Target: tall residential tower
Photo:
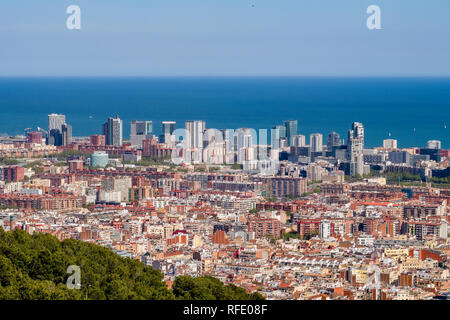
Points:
(355, 147)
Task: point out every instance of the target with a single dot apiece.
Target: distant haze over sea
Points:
(410, 110)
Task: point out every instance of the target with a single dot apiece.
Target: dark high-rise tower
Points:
(66, 134)
(112, 130)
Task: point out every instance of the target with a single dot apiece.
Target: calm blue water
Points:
(384, 106)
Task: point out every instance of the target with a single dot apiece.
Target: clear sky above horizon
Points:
(224, 38)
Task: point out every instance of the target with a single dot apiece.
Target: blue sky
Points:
(225, 38)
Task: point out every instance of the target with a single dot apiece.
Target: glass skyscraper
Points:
(168, 127)
(112, 130)
(291, 130)
(139, 131)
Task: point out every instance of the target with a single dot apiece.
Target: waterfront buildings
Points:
(291, 130)
(167, 129)
(316, 142)
(55, 121)
(194, 140)
(355, 147)
(433, 144)
(113, 131)
(59, 132)
(298, 141)
(140, 130)
(333, 140)
(390, 144)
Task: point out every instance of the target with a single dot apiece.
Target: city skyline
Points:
(319, 105)
(146, 131)
(195, 143)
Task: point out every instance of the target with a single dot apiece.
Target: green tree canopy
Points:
(34, 267)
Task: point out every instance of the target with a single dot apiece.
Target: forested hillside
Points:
(34, 267)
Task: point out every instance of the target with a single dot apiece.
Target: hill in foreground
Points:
(34, 267)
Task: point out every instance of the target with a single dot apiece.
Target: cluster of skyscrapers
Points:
(245, 146)
(139, 131)
(286, 134)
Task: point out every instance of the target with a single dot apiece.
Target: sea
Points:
(411, 110)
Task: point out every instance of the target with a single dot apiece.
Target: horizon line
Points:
(231, 76)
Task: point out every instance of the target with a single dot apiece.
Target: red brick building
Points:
(75, 165)
(220, 237)
(13, 173)
(308, 227)
(264, 227)
(34, 137)
(287, 186)
(41, 202)
(98, 140)
(150, 148)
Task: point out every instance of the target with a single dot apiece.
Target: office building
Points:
(399, 157)
(277, 133)
(112, 130)
(291, 130)
(55, 121)
(168, 127)
(66, 134)
(59, 132)
(55, 137)
(433, 153)
(333, 140)
(139, 131)
(281, 131)
(433, 144)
